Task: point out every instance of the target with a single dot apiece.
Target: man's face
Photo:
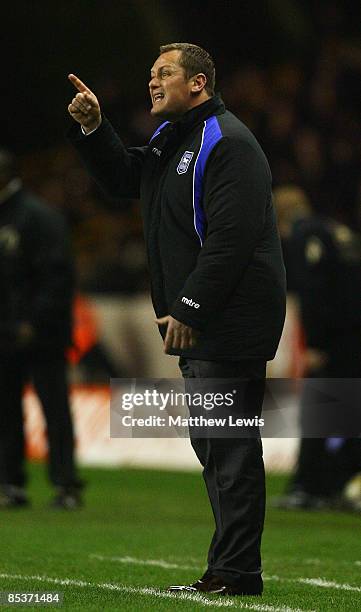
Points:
(170, 91)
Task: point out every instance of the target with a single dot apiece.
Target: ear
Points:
(198, 82)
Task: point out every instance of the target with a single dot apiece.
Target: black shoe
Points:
(218, 586)
(12, 496)
(340, 503)
(67, 498)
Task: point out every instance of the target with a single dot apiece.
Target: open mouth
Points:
(157, 97)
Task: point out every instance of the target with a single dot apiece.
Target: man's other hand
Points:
(178, 336)
(84, 107)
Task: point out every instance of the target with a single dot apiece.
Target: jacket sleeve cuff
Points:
(91, 131)
(76, 134)
(189, 314)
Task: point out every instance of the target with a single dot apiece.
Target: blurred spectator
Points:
(36, 285)
(323, 261)
(307, 117)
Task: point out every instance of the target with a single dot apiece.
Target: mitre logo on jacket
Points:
(190, 302)
(184, 162)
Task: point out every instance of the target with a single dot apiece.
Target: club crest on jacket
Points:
(184, 162)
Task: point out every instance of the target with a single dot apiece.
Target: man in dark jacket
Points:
(323, 260)
(217, 277)
(36, 287)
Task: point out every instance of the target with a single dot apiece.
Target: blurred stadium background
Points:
(291, 70)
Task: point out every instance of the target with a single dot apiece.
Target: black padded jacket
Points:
(212, 241)
(36, 274)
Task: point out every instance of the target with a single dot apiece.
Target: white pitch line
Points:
(153, 562)
(318, 582)
(328, 561)
(312, 561)
(171, 565)
(329, 584)
(196, 597)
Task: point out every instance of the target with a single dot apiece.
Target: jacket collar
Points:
(212, 106)
(171, 135)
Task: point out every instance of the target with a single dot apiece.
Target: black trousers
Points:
(48, 375)
(325, 464)
(233, 471)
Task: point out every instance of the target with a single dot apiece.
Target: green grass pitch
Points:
(143, 530)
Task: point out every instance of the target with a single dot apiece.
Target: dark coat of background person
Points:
(328, 270)
(324, 270)
(36, 284)
(36, 274)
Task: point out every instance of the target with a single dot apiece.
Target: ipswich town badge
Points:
(184, 162)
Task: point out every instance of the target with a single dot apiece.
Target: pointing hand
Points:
(84, 107)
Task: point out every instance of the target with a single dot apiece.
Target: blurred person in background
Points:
(323, 264)
(36, 287)
(217, 274)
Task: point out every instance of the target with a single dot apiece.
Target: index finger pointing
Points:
(80, 86)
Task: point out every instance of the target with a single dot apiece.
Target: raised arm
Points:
(116, 169)
(84, 107)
